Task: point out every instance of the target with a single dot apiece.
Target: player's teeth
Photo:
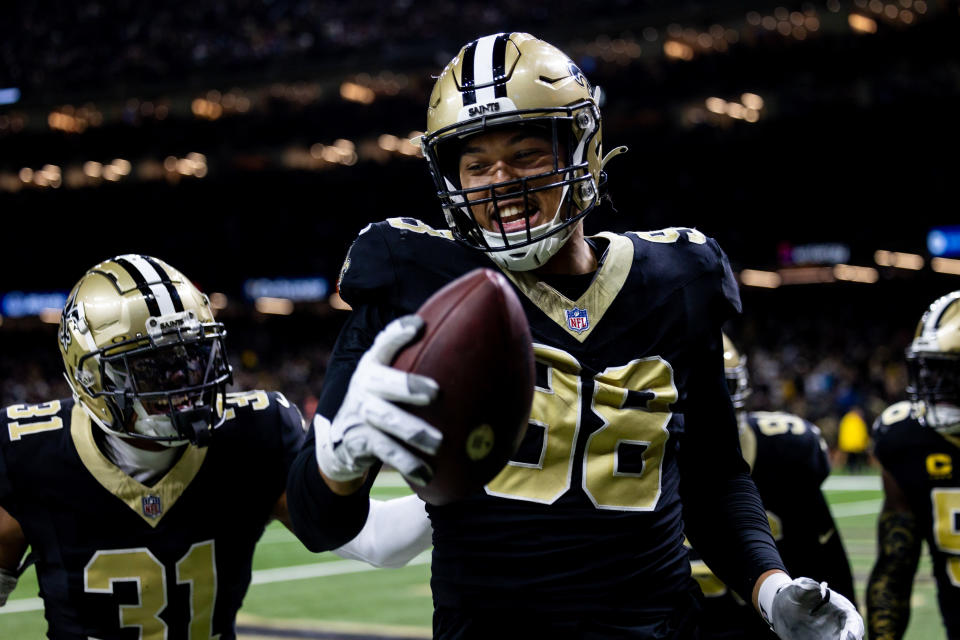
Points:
(511, 211)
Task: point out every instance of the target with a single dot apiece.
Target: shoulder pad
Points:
(893, 415)
(401, 261)
(676, 256)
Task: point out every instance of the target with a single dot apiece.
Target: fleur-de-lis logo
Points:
(70, 312)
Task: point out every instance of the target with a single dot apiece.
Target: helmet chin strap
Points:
(157, 426)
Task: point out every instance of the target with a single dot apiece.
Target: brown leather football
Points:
(476, 345)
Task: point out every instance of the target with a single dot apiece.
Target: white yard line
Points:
(852, 483)
(263, 576)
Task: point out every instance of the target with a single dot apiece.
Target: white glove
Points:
(803, 609)
(358, 435)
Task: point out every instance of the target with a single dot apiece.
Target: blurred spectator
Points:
(853, 441)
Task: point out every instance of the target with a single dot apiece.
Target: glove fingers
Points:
(394, 337)
(402, 425)
(399, 386)
(394, 454)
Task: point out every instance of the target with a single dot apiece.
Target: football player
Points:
(581, 534)
(917, 442)
(143, 496)
(788, 462)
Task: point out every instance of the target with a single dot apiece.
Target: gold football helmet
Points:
(511, 79)
(142, 352)
(933, 365)
(735, 369)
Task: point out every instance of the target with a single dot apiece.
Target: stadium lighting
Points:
(357, 93)
(218, 301)
(10, 95)
(388, 142)
(946, 265)
(274, 306)
(756, 278)
(92, 169)
(898, 260)
(677, 50)
(716, 105)
(851, 273)
(752, 101)
(862, 24)
(806, 275)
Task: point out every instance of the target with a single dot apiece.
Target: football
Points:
(476, 344)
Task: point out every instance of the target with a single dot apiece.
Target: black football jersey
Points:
(921, 461)
(587, 514)
(789, 463)
(119, 560)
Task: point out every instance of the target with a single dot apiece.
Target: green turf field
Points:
(295, 592)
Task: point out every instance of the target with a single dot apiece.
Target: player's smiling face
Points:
(505, 155)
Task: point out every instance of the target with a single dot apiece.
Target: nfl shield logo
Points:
(151, 506)
(577, 319)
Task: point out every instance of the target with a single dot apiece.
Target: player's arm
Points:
(726, 522)
(396, 531)
(13, 544)
(329, 481)
(899, 541)
(723, 514)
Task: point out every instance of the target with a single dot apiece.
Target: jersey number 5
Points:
(196, 569)
(946, 512)
(627, 423)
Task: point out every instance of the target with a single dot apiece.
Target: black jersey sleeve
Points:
(367, 273)
(321, 519)
(6, 490)
(723, 513)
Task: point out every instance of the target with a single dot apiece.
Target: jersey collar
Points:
(595, 301)
(150, 503)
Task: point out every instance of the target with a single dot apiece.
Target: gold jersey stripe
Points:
(596, 299)
(168, 489)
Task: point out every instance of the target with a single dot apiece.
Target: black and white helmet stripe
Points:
(153, 282)
(484, 69)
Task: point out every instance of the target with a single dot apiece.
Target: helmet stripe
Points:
(466, 75)
(483, 69)
(500, 65)
(165, 279)
(158, 298)
(141, 283)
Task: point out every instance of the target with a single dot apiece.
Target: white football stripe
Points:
(150, 275)
(483, 69)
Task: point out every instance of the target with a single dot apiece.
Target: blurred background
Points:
(248, 142)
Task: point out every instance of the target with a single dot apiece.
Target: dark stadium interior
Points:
(855, 145)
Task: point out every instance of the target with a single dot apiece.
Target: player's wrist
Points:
(341, 477)
(767, 590)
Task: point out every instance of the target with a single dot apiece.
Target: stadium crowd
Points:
(816, 368)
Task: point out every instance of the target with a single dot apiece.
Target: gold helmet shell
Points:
(735, 370)
(515, 79)
(125, 311)
(933, 365)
